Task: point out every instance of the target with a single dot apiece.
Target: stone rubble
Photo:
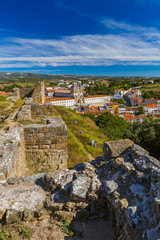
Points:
(124, 188)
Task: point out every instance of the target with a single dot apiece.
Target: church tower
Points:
(77, 93)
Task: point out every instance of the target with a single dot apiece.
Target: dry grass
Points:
(18, 104)
(81, 130)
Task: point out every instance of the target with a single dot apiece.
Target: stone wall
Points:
(12, 154)
(46, 145)
(122, 186)
(15, 94)
(32, 148)
(25, 92)
(35, 111)
(39, 111)
(21, 93)
(39, 93)
(25, 112)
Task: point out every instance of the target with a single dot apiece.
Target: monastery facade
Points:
(74, 97)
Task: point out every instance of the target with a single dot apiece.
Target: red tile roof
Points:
(96, 96)
(111, 104)
(128, 116)
(134, 98)
(151, 106)
(5, 94)
(57, 99)
(62, 91)
(51, 90)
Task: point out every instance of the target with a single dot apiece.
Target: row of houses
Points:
(71, 102)
(130, 114)
(131, 96)
(5, 94)
(73, 97)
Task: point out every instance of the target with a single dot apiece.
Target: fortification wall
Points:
(39, 93)
(46, 145)
(25, 92)
(19, 93)
(40, 145)
(39, 111)
(122, 186)
(34, 147)
(25, 112)
(12, 154)
(35, 111)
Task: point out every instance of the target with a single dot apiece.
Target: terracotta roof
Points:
(151, 106)
(51, 90)
(97, 112)
(112, 104)
(157, 115)
(57, 99)
(121, 90)
(96, 96)
(62, 91)
(133, 90)
(134, 98)
(5, 94)
(128, 116)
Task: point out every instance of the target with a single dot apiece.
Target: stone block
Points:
(113, 149)
(110, 186)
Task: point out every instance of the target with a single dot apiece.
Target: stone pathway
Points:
(10, 120)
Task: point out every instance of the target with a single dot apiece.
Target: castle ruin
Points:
(27, 146)
(122, 186)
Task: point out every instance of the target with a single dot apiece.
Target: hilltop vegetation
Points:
(85, 140)
(112, 126)
(147, 135)
(86, 135)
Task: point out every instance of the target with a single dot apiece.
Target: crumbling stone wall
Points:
(12, 154)
(20, 93)
(39, 111)
(123, 187)
(46, 145)
(15, 94)
(39, 93)
(25, 92)
(35, 111)
(25, 112)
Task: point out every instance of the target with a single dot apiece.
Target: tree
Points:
(146, 134)
(113, 126)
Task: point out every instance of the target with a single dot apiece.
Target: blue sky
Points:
(94, 37)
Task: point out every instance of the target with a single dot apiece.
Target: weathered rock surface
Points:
(115, 148)
(12, 154)
(125, 189)
(46, 144)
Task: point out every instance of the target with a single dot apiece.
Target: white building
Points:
(118, 94)
(96, 99)
(74, 97)
(70, 102)
(151, 108)
(66, 102)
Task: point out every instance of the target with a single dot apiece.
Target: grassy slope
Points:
(79, 147)
(150, 87)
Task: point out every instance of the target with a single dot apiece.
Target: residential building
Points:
(151, 108)
(118, 94)
(128, 117)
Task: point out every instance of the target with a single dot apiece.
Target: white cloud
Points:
(133, 45)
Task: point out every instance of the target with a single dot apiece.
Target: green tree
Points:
(113, 126)
(146, 134)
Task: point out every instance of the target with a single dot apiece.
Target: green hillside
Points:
(82, 131)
